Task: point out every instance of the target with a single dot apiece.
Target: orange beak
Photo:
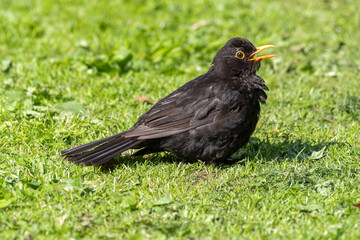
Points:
(259, 49)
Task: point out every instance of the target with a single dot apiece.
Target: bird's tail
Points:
(103, 150)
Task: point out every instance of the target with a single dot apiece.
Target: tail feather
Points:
(101, 151)
(104, 158)
(93, 153)
(79, 149)
(102, 154)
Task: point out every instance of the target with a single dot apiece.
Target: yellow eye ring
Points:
(240, 55)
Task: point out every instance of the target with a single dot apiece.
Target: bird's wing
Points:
(183, 110)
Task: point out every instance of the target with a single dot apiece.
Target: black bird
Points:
(208, 118)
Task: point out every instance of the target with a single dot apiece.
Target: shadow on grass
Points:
(131, 161)
(286, 150)
(256, 150)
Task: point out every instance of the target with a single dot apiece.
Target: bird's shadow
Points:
(285, 150)
(255, 150)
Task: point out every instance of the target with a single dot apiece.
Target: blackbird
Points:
(208, 118)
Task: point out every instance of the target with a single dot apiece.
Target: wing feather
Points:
(181, 111)
(187, 108)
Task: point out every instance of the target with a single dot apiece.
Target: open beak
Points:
(259, 49)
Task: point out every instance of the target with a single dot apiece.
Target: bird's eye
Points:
(240, 55)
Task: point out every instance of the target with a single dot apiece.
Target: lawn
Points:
(71, 72)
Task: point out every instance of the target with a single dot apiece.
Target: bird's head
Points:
(237, 57)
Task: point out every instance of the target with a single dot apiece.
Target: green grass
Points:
(71, 71)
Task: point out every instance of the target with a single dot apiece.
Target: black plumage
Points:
(208, 118)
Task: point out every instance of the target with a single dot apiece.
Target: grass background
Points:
(70, 74)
